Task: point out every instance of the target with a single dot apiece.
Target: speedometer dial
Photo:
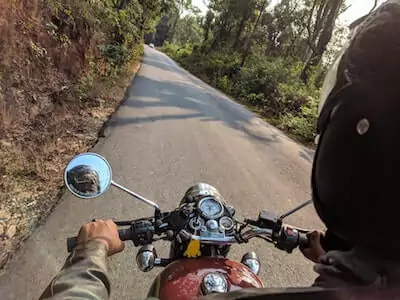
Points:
(210, 208)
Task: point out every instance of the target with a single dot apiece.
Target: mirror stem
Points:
(157, 213)
(295, 209)
(137, 196)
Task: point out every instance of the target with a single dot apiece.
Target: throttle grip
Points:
(71, 243)
(304, 241)
(124, 235)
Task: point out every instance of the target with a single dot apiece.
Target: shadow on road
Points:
(194, 101)
(139, 120)
(307, 154)
(195, 98)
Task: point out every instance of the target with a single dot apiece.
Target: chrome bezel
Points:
(214, 216)
(210, 285)
(82, 196)
(226, 228)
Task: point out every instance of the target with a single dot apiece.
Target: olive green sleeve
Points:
(83, 277)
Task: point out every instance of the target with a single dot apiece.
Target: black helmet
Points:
(84, 180)
(355, 177)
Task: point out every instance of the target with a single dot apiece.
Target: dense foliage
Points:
(115, 27)
(272, 58)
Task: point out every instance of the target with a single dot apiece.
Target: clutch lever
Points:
(123, 223)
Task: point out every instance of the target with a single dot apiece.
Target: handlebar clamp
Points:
(269, 220)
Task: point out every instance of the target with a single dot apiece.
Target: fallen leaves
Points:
(11, 231)
(33, 156)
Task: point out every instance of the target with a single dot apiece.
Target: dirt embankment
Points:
(52, 105)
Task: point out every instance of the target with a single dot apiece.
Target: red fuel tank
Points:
(182, 280)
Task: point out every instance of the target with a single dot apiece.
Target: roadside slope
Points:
(62, 73)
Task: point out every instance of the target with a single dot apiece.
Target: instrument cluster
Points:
(212, 219)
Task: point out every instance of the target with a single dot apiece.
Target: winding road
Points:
(172, 131)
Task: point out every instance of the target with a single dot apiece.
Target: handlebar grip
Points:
(124, 235)
(304, 241)
(71, 243)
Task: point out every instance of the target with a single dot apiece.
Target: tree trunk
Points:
(322, 8)
(218, 36)
(173, 29)
(122, 4)
(239, 32)
(291, 50)
(209, 18)
(373, 8)
(319, 23)
(310, 17)
(250, 39)
(323, 41)
(206, 34)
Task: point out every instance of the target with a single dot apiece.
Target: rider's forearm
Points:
(84, 275)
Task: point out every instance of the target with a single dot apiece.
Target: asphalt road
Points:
(171, 132)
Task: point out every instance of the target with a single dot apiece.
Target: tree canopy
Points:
(272, 58)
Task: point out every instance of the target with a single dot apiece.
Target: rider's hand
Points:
(314, 251)
(103, 231)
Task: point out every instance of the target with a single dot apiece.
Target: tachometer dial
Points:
(210, 208)
(226, 223)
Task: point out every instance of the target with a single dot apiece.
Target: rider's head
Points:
(356, 171)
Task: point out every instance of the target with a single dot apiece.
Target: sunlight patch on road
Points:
(196, 101)
(144, 99)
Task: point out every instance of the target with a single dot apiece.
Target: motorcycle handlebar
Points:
(290, 238)
(286, 238)
(124, 235)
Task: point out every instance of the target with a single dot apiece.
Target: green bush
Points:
(302, 125)
(177, 52)
(224, 84)
(115, 55)
(84, 86)
(110, 32)
(254, 99)
(218, 69)
(262, 77)
(293, 97)
(184, 52)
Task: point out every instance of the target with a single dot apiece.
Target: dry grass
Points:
(42, 124)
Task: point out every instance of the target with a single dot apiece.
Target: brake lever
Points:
(123, 223)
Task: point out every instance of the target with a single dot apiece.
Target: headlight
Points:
(214, 283)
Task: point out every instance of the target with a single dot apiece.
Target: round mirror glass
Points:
(88, 175)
